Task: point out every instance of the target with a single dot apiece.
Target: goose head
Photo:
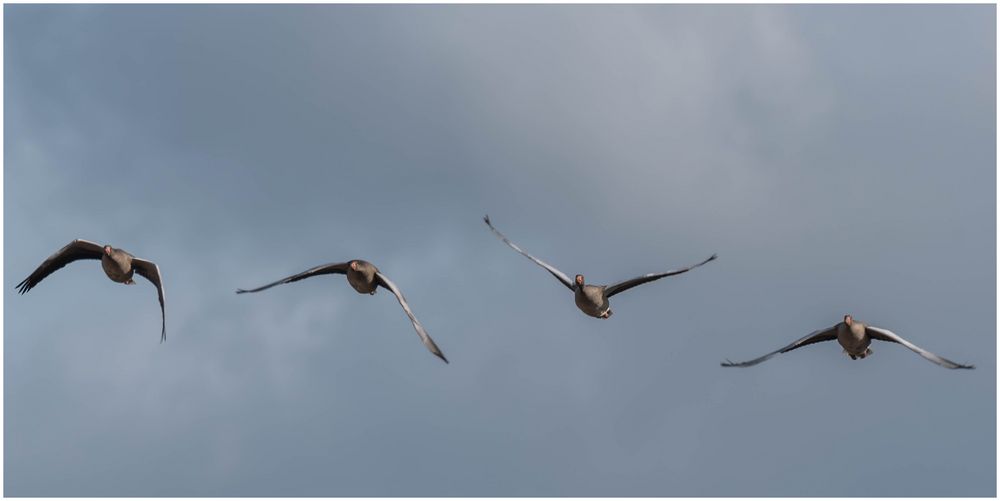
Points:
(848, 320)
(579, 280)
(354, 265)
(107, 250)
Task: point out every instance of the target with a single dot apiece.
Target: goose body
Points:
(117, 265)
(592, 300)
(361, 276)
(854, 339)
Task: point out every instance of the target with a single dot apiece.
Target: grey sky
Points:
(840, 159)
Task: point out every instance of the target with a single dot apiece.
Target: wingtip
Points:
(241, 291)
(486, 219)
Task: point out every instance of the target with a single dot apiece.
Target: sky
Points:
(838, 158)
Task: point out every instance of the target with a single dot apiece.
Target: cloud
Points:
(609, 140)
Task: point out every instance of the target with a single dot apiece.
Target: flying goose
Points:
(854, 337)
(118, 265)
(365, 278)
(593, 299)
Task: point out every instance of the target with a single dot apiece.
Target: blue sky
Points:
(839, 159)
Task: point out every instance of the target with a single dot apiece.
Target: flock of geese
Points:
(120, 266)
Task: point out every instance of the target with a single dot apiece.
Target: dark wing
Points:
(816, 337)
(886, 335)
(426, 338)
(611, 290)
(77, 249)
(326, 269)
(551, 269)
(149, 270)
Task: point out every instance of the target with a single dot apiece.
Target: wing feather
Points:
(551, 269)
(74, 251)
(426, 338)
(326, 269)
(887, 335)
(151, 272)
(814, 337)
(611, 290)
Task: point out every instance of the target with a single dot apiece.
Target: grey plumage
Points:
(593, 299)
(854, 337)
(364, 277)
(117, 264)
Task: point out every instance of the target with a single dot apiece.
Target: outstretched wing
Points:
(149, 270)
(611, 290)
(326, 269)
(551, 269)
(75, 250)
(887, 335)
(815, 337)
(426, 338)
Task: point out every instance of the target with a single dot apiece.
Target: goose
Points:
(365, 278)
(118, 265)
(593, 299)
(854, 337)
